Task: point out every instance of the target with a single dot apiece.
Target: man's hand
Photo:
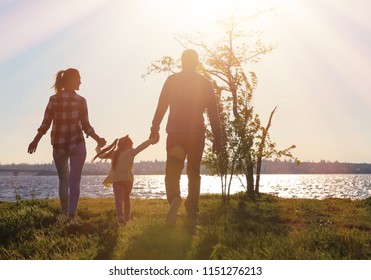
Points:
(32, 147)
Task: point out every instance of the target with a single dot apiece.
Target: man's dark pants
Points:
(181, 146)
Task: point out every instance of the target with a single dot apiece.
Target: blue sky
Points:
(317, 75)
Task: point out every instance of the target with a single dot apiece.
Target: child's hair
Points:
(113, 150)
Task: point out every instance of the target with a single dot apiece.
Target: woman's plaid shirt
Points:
(69, 113)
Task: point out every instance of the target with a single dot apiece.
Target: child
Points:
(122, 154)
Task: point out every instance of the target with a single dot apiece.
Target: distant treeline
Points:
(268, 167)
(322, 167)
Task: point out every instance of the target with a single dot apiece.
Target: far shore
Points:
(158, 168)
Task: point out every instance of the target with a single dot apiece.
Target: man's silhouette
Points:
(188, 95)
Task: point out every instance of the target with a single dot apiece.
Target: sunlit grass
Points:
(266, 228)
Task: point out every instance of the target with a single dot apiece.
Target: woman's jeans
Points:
(70, 177)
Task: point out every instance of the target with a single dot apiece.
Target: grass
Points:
(269, 228)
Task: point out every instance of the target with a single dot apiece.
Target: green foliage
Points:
(266, 227)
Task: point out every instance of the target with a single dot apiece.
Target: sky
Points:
(317, 75)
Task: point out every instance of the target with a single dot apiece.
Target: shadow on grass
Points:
(223, 232)
(241, 229)
(160, 242)
(259, 216)
(104, 227)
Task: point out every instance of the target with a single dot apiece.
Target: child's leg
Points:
(118, 190)
(128, 186)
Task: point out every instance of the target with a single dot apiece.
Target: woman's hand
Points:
(33, 145)
(101, 142)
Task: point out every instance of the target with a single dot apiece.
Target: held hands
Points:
(154, 137)
(98, 149)
(101, 142)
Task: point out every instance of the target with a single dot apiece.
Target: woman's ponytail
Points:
(59, 83)
(64, 77)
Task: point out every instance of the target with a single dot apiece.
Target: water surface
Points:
(152, 186)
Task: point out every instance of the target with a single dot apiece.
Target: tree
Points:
(246, 141)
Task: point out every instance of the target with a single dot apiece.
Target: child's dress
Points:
(124, 165)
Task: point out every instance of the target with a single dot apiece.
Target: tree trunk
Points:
(250, 181)
(261, 149)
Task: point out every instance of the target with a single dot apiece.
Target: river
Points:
(152, 186)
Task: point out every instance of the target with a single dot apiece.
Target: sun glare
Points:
(219, 9)
(194, 16)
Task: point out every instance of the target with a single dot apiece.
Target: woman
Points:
(69, 114)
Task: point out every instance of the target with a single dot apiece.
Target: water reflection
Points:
(153, 186)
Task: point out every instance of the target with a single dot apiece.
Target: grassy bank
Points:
(267, 228)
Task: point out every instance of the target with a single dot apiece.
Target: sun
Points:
(204, 15)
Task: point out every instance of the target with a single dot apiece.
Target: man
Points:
(188, 95)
